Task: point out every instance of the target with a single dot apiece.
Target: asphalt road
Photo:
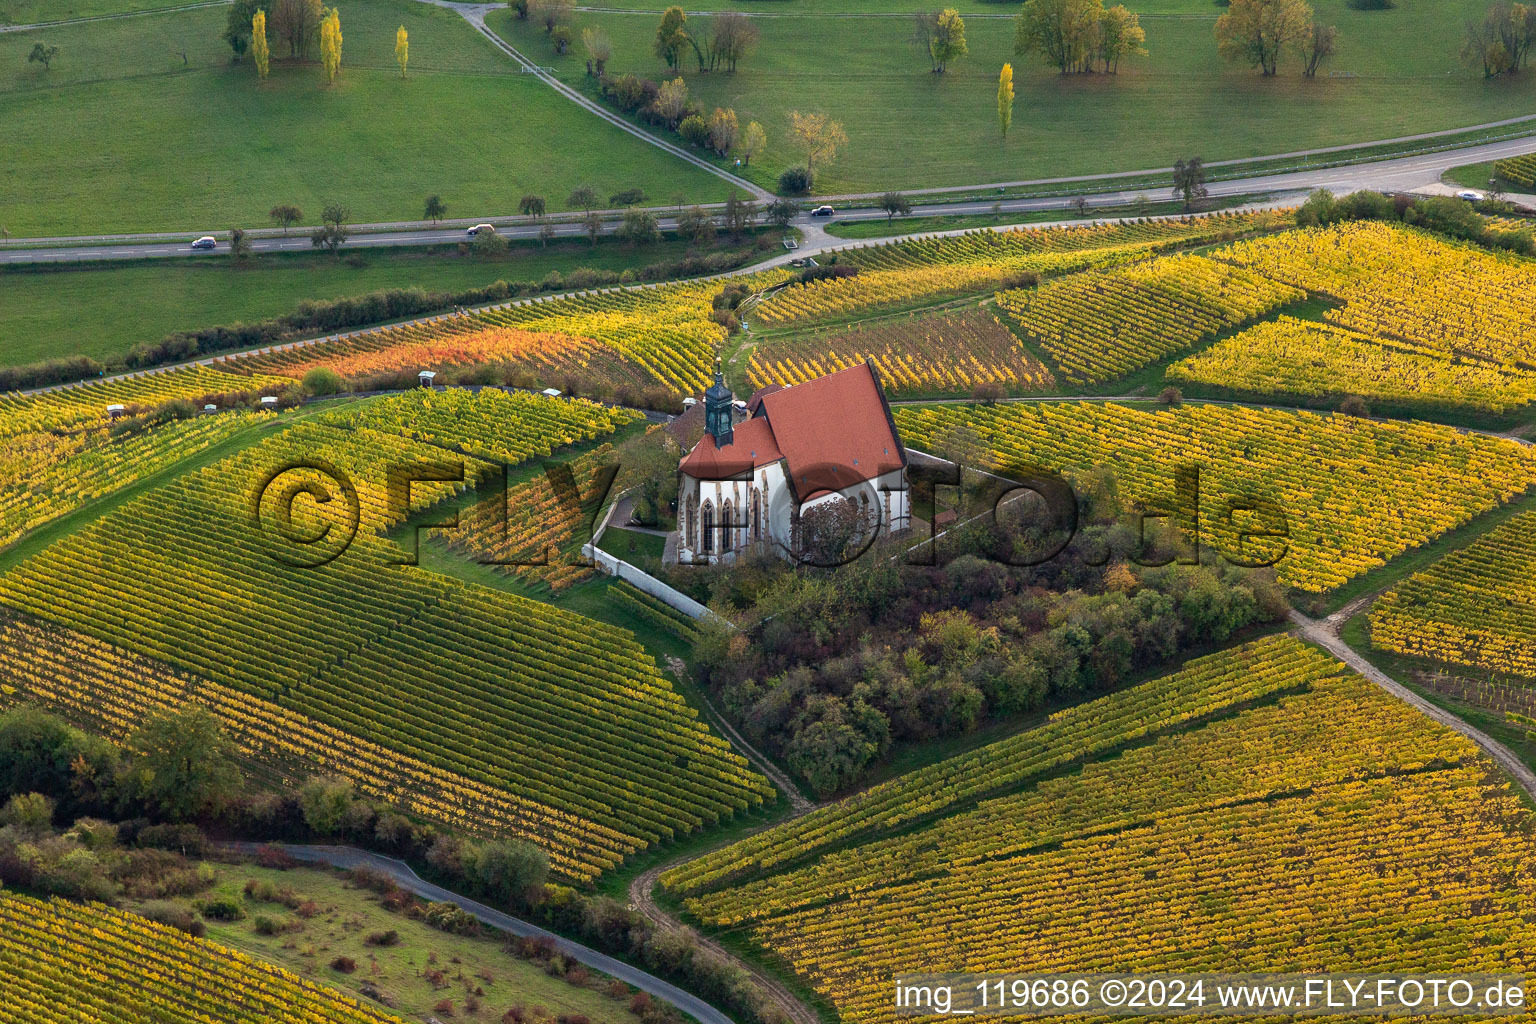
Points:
(1404, 174)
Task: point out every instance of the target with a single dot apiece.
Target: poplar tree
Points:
(330, 43)
(259, 43)
(402, 48)
(1005, 99)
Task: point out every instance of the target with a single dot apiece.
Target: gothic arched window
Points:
(691, 527)
(757, 514)
(727, 527)
(707, 533)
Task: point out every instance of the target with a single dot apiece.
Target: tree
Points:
(182, 763)
(560, 38)
(639, 227)
(285, 216)
(895, 205)
(733, 36)
(782, 212)
(1501, 41)
(546, 234)
(1189, 181)
(1120, 35)
(259, 49)
(696, 224)
(592, 223)
(941, 34)
(237, 26)
(740, 214)
(694, 130)
(599, 50)
(332, 233)
(531, 206)
(508, 871)
(43, 55)
(239, 245)
(296, 22)
(671, 36)
(584, 196)
(751, 143)
(402, 49)
(723, 130)
(1317, 47)
(795, 181)
(1064, 32)
(1255, 32)
(671, 103)
(330, 44)
(819, 136)
(435, 210)
(1005, 99)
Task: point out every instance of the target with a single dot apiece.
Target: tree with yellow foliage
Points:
(402, 49)
(330, 43)
(1254, 32)
(259, 49)
(1005, 99)
(819, 136)
(942, 35)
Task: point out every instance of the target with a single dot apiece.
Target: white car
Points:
(1470, 195)
(489, 229)
(206, 242)
(823, 211)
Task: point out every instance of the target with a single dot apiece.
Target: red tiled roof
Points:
(834, 431)
(757, 396)
(752, 445)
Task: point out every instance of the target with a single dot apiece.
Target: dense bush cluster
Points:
(944, 649)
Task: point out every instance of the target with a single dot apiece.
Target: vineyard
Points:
(1354, 493)
(1476, 606)
(489, 424)
(1202, 688)
(87, 403)
(45, 475)
(1313, 360)
(67, 963)
(536, 529)
(1409, 286)
(565, 721)
(913, 272)
(1518, 169)
(1379, 833)
(916, 355)
(660, 335)
(1104, 324)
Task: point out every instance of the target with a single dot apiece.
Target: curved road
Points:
(401, 873)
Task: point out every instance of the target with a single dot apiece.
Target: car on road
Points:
(206, 242)
(823, 211)
(489, 229)
(1470, 195)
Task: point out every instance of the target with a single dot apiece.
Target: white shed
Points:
(426, 377)
(551, 392)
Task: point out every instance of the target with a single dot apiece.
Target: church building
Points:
(757, 471)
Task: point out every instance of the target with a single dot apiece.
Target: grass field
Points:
(348, 915)
(125, 134)
(1179, 101)
(36, 12)
(103, 311)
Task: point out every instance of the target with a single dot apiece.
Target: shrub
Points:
(32, 812)
(694, 130)
(222, 907)
(796, 181)
(344, 964)
(1170, 396)
(174, 916)
(186, 839)
(323, 380)
(629, 197)
(266, 925)
(1354, 405)
(385, 938)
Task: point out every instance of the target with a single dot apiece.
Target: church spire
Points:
(717, 409)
